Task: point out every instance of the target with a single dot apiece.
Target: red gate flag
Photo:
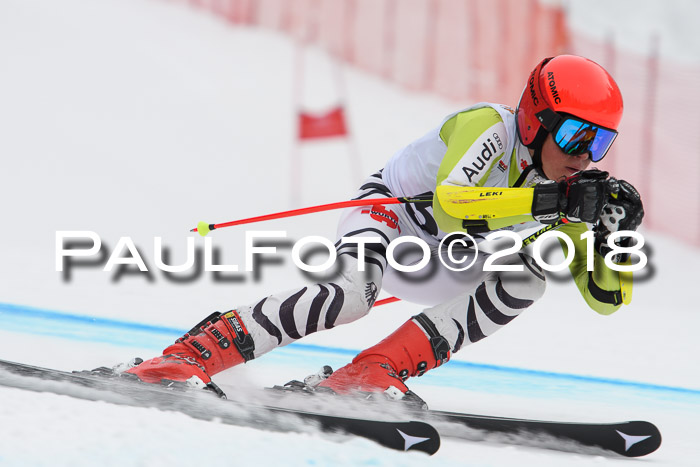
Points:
(326, 125)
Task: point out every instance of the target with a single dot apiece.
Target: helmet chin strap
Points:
(536, 146)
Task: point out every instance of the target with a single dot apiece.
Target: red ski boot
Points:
(384, 367)
(215, 344)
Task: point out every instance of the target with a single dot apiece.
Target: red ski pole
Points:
(204, 228)
(386, 301)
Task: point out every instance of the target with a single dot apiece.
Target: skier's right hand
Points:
(583, 195)
(579, 198)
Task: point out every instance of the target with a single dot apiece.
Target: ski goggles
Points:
(575, 136)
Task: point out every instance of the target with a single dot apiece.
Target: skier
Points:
(566, 119)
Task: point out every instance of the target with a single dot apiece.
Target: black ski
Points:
(630, 439)
(400, 435)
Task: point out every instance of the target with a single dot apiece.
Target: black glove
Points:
(579, 198)
(623, 211)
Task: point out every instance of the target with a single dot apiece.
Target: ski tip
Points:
(638, 438)
(418, 436)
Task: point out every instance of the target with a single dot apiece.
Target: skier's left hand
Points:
(623, 211)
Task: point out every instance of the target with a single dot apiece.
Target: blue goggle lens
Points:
(575, 137)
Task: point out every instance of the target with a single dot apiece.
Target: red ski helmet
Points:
(576, 100)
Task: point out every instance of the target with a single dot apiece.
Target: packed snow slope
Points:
(140, 118)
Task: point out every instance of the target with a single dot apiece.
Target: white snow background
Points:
(140, 118)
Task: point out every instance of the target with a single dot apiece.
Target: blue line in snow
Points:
(82, 319)
(22, 311)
